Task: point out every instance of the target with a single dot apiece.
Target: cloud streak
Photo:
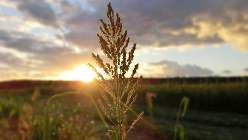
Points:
(167, 68)
(226, 72)
(39, 11)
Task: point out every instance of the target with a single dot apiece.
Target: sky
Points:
(46, 39)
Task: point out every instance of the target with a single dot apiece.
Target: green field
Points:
(217, 110)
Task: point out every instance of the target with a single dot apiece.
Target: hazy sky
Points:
(44, 38)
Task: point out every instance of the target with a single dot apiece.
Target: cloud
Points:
(7, 73)
(28, 43)
(167, 23)
(62, 63)
(9, 59)
(39, 66)
(4, 36)
(178, 23)
(41, 55)
(157, 23)
(39, 11)
(246, 69)
(226, 72)
(167, 68)
(81, 39)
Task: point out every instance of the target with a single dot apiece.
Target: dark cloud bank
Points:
(164, 22)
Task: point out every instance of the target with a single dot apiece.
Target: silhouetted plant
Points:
(118, 93)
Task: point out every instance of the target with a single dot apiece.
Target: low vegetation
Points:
(74, 116)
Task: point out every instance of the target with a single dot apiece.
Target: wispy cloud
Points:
(226, 72)
(39, 11)
(167, 68)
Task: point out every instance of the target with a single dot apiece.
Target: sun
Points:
(82, 73)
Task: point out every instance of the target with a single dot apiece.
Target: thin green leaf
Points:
(12, 113)
(181, 132)
(185, 102)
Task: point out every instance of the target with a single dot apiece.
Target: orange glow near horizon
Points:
(82, 73)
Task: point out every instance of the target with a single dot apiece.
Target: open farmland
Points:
(217, 109)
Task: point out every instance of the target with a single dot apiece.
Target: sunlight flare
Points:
(81, 73)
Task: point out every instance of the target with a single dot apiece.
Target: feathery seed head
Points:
(118, 94)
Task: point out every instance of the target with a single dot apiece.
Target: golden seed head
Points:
(118, 94)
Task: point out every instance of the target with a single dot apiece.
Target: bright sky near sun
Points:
(54, 39)
(79, 73)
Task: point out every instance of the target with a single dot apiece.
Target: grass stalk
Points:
(47, 122)
(114, 44)
(183, 105)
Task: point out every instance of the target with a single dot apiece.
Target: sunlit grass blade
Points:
(183, 105)
(47, 122)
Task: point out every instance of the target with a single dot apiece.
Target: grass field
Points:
(217, 110)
